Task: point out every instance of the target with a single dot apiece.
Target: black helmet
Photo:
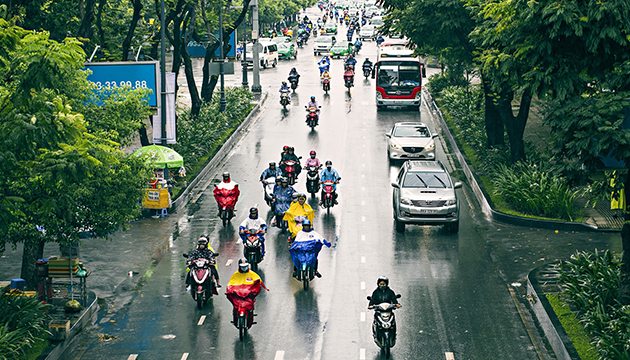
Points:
(284, 83)
(273, 163)
(328, 163)
(383, 279)
(226, 175)
(291, 148)
(253, 212)
(284, 180)
(293, 69)
(243, 265)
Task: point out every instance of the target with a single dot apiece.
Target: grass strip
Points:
(573, 328)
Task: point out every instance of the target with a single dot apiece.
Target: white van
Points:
(377, 21)
(268, 54)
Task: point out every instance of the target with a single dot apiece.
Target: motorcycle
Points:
(289, 171)
(349, 80)
(203, 286)
(326, 84)
(357, 46)
(312, 118)
(299, 42)
(294, 82)
(282, 224)
(253, 248)
(329, 195)
(226, 212)
(367, 70)
(384, 326)
(268, 185)
(312, 180)
(284, 98)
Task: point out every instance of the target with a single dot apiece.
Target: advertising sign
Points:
(196, 49)
(144, 74)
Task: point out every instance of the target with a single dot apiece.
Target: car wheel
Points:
(275, 62)
(400, 226)
(380, 107)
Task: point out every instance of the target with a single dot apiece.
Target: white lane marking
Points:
(362, 189)
(362, 237)
(363, 218)
(363, 176)
(362, 316)
(363, 165)
(229, 262)
(449, 356)
(362, 285)
(132, 357)
(363, 259)
(362, 202)
(361, 354)
(279, 355)
(201, 320)
(184, 356)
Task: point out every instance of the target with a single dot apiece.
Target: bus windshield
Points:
(399, 75)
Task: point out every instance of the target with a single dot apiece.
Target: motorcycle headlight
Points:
(452, 201)
(405, 201)
(431, 146)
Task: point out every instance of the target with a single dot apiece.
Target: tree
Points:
(57, 180)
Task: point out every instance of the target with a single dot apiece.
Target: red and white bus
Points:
(399, 76)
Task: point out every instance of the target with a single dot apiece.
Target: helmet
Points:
(313, 154)
(243, 266)
(272, 164)
(284, 180)
(302, 196)
(313, 98)
(293, 69)
(285, 148)
(383, 278)
(367, 59)
(295, 195)
(253, 213)
(284, 83)
(202, 241)
(291, 148)
(307, 222)
(328, 163)
(226, 175)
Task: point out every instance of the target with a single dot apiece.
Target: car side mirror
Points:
(369, 298)
(458, 185)
(424, 72)
(395, 185)
(398, 296)
(388, 135)
(434, 135)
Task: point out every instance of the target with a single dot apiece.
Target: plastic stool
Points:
(163, 212)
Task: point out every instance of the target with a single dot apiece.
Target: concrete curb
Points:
(549, 322)
(87, 318)
(184, 197)
(480, 193)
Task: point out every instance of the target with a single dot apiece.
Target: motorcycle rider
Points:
(257, 223)
(326, 75)
(232, 192)
(312, 160)
(307, 234)
(271, 171)
(313, 103)
(290, 156)
(348, 75)
(293, 74)
(202, 251)
(380, 40)
(350, 33)
(367, 62)
(285, 150)
(284, 87)
(329, 174)
(244, 281)
(298, 212)
(324, 64)
(382, 294)
(351, 61)
(282, 198)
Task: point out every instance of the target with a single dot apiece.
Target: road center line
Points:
(362, 316)
(279, 355)
(363, 259)
(449, 356)
(362, 189)
(201, 320)
(362, 202)
(363, 218)
(362, 285)
(361, 354)
(132, 357)
(184, 356)
(362, 237)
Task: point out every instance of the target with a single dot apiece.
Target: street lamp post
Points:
(244, 59)
(163, 73)
(222, 102)
(256, 48)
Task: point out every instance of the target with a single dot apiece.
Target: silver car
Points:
(323, 45)
(410, 141)
(424, 194)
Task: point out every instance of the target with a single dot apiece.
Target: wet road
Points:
(454, 287)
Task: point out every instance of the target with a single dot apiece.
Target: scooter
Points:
(227, 213)
(312, 119)
(326, 85)
(349, 80)
(367, 70)
(268, 188)
(253, 248)
(312, 180)
(329, 194)
(285, 99)
(203, 286)
(305, 274)
(294, 82)
(289, 171)
(384, 326)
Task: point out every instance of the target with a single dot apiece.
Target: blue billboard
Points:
(143, 74)
(196, 49)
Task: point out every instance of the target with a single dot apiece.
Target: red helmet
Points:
(285, 147)
(313, 152)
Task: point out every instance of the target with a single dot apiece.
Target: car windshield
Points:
(367, 28)
(341, 44)
(399, 75)
(411, 131)
(324, 40)
(432, 180)
(283, 46)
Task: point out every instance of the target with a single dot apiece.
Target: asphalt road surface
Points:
(456, 303)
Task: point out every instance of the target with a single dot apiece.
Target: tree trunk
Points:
(624, 285)
(137, 8)
(515, 125)
(144, 137)
(85, 29)
(189, 23)
(33, 250)
(494, 126)
(99, 23)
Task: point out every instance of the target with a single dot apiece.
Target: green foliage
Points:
(199, 137)
(23, 324)
(591, 283)
(465, 106)
(573, 327)
(535, 189)
(439, 82)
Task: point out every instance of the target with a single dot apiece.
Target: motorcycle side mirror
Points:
(299, 157)
(216, 254)
(388, 135)
(185, 255)
(398, 296)
(396, 185)
(458, 185)
(306, 107)
(320, 106)
(369, 298)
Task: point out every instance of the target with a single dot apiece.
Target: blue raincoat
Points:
(283, 198)
(306, 247)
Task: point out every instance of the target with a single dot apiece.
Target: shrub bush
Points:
(443, 80)
(23, 324)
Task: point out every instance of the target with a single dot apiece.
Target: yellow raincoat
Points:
(300, 212)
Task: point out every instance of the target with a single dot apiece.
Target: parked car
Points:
(341, 48)
(368, 32)
(424, 194)
(287, 51)
(323, 44)
(410, 140)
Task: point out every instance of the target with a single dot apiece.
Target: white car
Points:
(410, 140)
(368, 32)
(323, 44)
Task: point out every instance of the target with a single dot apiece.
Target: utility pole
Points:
(244, 58)
(256, 48)
(222, 102)
(163, 72)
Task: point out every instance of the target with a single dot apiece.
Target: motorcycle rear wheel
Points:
(305, 280)
(241, 327)
(199, 302)
(224, 218)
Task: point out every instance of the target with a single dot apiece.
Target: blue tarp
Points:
(305, 252)
(283, 198)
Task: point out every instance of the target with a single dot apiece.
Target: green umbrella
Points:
(160, 156)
